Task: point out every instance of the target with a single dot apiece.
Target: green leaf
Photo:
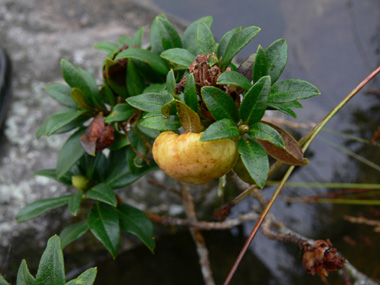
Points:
(83, 80)
(129, 178)
(138, 37)
(260, 68)
(155, 88)
(171, 83)
(51, 269)
(121, 112)
(58, 121)
(146, 56)
(24, 277)
(51, 173)
(234, 78)
(252, 108)
(190, 93)
(136, 222)
(265, 132)
(107, 95)
(115, 77)
(80, 99)
(225, 128)
(291, 154)
(163, 35)
(291, 90)
(135, 82)
(189, 119)
(225, 41)
(246, 67)
(239, 40)
(74, 203)
(219, 103)
(286, 107)
(189, 37)
(3, 281)
(150, 102)
(161, 123)
(125, 40)
(277, 56)
(73, 232)
(103, 221)
(61, 93)
(41, 206)
(255, 160)
(70, 153)
(205, 39)
(86, 278)
(103, 193)
(107, 46)
(179, 56)
(120, 142)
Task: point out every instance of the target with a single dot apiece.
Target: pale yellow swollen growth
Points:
(185, 158)
(80, 182)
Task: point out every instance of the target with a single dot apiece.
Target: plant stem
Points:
(308, 141)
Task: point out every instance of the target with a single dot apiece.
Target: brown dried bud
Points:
(321, 257)
(97, 136)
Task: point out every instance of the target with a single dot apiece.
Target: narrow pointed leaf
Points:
(135, 82)
(74, 203)
(255, 160)
(61, 93)
(225, 128)
(150, 102)
(291, 90)
(124, 40)
(277, 56)
(190, 93)
(291, 154)
(189, 37)
(260, 68)
(253, 107)
(136, 222)
(146, 56)
(86, 278)
(121, 112)
(285, 107)
(3, 281)
(104, 224)
(225, 40)
(80, 99)
(161, 123)
(41, 206)
(265, 132)
(170, 83)
(24, 277)
(70, 153)
(167, 35)
(205, 38)
(51, 269)
(189, 119)
(73, 232)
(234, 78)
(179, 56)
(102, 192)
(219, 103)
(51, 173)
(107, 46)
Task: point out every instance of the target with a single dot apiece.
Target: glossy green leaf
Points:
(189, 119)
(86, 278)
(239, 40)
(138, 37)
(285, 107)
(222, 46)
(291, 154)
(219, 103)
(146, 56)
(3, 281)
(41, 206)
(51, 173)
(80, 99)
(136, 222)
(59, 120)
(107, 46)
(121, 141)
(103, 193)
(265, 132)
(129, 178)
(51, 270)
(125, 40)
(83, 80)
(24, 277)
(70, 153)
(163, 36)
(61, 93)
(74, 203)
(73, 232)
(277, 56)
(255, 160)
(291, 90)
(162, 123)
(155, 88)
(225, 128)
(149, 102)
(190, 93)
(135, 82)
(234, 78)
(205, 38)
(107, 95)
(260, 68)
(121, 112)
(253, 107)
(103, 222)
(171, 83)
(189, 37)
(179, 56)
